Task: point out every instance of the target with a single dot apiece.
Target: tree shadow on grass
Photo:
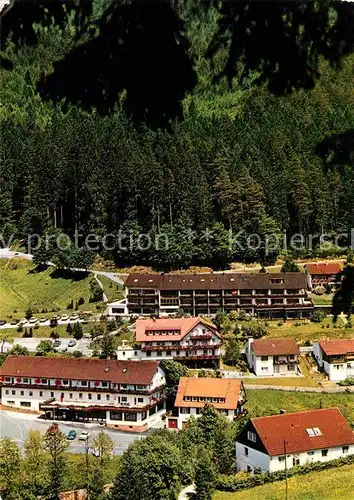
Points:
(68, 274)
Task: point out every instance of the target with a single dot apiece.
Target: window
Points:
(25, 404)
(310, 453)
(249, 468)
(291, 367)
(130, 417)
(246, 452)
(107, 397)
(140, 400)
(148, 354)
(317, 431)
(71, 395)
(30, 393)
(65, 382)
(7, 379)
(52, 394)
(80, 395)
(98, 397)
(296, 461)
(13, 393)
(345, 449)
(264, 358)
(7, 391)
(184, 411)
(168, 353)
(310, 432)
(324, 453)
(281, 458)
(25, 380)
(264, 368)
(104, 384)
(251, 436)
(90, 396)
(44, 380)
(124, 399)
(187, 398)
(10, 402)
(40, 394)
(22, 393)
(84, 382)
(116, 415)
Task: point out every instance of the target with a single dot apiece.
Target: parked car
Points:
(74, 317)
(84, 436)
(64, 317)
(23, 321)
(14, 321)
(56, 343)
(71, 434)
(33, 320)
(71, 343)
(53, 322)
(2, 322)
(43, 319)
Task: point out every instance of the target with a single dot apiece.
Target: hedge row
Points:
(234, 483)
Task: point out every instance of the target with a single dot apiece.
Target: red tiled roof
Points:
(291, 427)
(324, 268)
(337, 347)
(226, 388)
(217, 281)
(183, 325)
(275, 347)
(121, 372)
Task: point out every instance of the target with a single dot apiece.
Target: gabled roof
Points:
(182, 325)
(226, 388)
(292, 428)
(218, 281)
(324, 268)
(337, 347)
(121, 372)
(275, 347)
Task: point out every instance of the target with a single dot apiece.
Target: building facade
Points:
(226, 395)
(273, 357)
(323, 274)
(281, 295)
(128, 395)
(192, 341)
(270, 444)
(336, 358)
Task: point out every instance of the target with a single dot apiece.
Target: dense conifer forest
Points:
(179, 117)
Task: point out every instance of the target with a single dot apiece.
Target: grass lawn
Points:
(325, 299)
(329, 484)
(50, 290)
(311, 331)
(284, 381)
(270, 401)
(113, 290)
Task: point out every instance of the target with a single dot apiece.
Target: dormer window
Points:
(251, 436)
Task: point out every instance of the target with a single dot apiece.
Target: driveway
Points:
(16, 426)
(32, 343)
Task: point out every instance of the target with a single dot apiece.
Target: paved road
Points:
(41, 323)
(16, 426)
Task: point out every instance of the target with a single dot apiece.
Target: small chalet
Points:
(283, 441)
(192, 341)
(268, 357)
(322, 274)
(226, 395)
(336, 357)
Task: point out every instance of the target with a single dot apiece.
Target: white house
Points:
(336, 357)
(118, 309)
(280, 442)
(226, 395)
(126, 352)
(128, 395)
(192, 341)
(273, 357)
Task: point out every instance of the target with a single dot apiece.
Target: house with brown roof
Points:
(273, 357)
(280, 442)
(336, 358)
(323, 274)
(192, 341)
(226, 395)
(276, 295)
(128, 395)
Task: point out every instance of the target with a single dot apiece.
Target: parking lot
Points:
(16, 426)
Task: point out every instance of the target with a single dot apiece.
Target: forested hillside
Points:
(178, 117)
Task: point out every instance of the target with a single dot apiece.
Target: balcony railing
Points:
(197, 336)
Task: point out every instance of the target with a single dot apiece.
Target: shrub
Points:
(54, 335)
(318, 316)
(19, 328)
(347, 381)
(29, 312)
(307, 343)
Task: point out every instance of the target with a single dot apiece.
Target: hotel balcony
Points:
(197, 336)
